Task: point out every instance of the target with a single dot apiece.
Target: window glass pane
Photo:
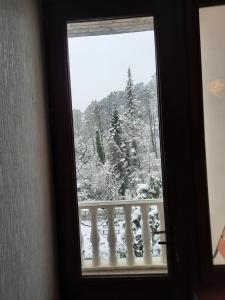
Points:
(212, 24)
(117, 146)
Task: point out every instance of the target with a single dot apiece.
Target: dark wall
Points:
(27, 267)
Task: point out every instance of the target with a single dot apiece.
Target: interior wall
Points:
(27, 258)
(212, 22)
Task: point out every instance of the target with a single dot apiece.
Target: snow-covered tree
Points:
(130, 95)
(100, 148)
(133, 126)
(119, 154)
(117, 144)
(132, 122)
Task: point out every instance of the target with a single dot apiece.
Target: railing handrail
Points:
(119, 203)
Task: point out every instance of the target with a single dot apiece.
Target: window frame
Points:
(181, 247)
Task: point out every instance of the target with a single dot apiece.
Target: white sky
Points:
(99, 64)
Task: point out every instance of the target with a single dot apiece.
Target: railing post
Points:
(129, 235)
(94, 237)
(146, 233)
(81, 237)
(162, 235)
(111, 237)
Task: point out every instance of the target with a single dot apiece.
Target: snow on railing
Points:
(109, 207)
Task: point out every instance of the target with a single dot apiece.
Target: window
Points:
(117, 146)
(81, 276)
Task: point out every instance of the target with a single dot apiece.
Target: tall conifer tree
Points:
(132, 123)
(100, 148)
(119, 153)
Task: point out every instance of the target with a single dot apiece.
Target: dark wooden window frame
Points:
(183, 152)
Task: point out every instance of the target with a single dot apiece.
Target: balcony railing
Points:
(129, 264)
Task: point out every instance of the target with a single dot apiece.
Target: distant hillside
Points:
(117, 145)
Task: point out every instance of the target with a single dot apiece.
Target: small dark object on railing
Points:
(162, 243)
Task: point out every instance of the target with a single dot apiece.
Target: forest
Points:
(117, 145)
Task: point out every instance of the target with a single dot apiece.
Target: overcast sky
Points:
(99, 64)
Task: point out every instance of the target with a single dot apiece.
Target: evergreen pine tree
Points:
(130, 95)
(132, 122)
(99, 148)
(116, 130)
(119, 153)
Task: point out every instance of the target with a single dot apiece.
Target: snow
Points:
(141, 187)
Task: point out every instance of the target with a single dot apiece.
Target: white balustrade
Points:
(94, 237)
(129, 235)
(111, 237)
(127, 207)
(146, 233)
